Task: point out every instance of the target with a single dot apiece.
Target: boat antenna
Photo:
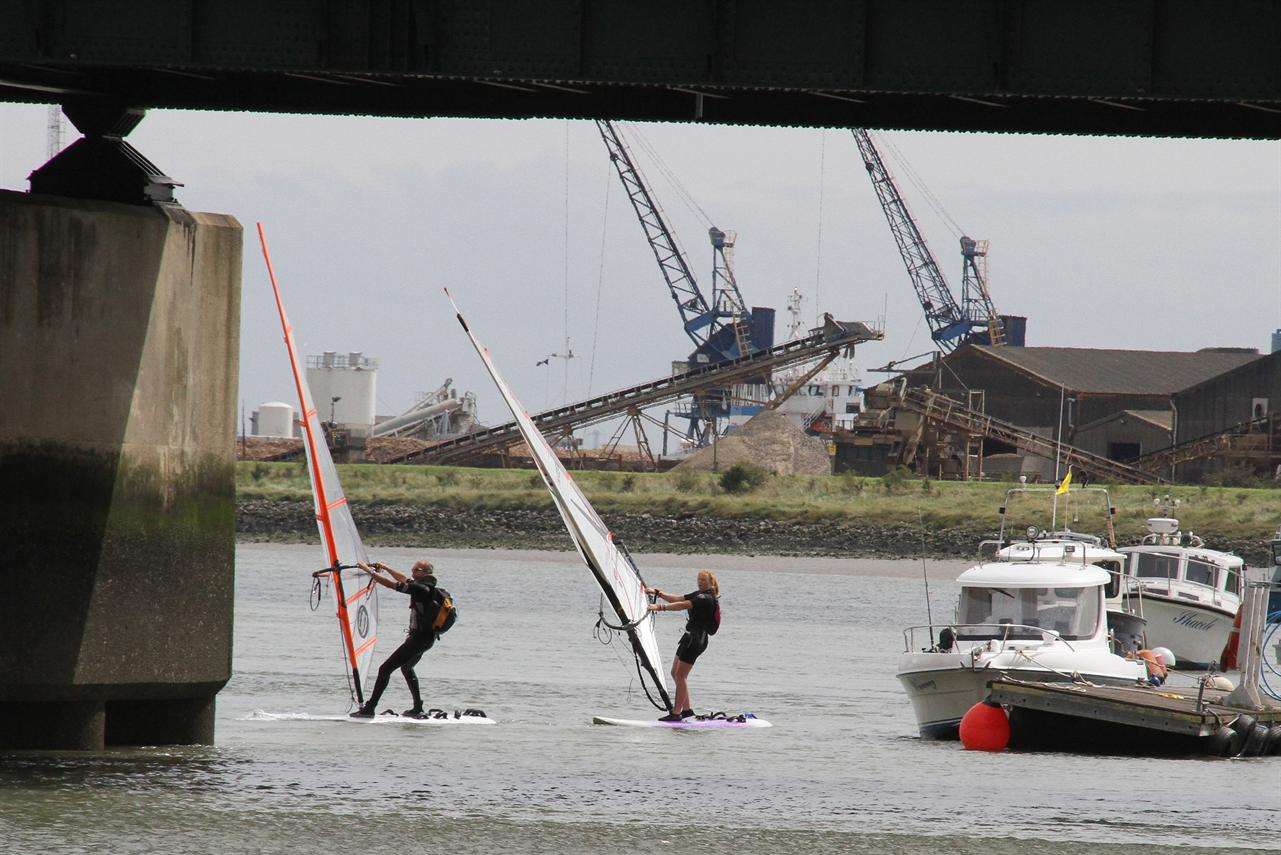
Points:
(929, 615)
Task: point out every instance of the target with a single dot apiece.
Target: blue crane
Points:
(720, 329)
(951, 323)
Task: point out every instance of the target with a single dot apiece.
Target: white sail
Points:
(612, 567)
(353, 592)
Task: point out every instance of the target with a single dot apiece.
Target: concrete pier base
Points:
(119, 340)
(68, 725)
(181, 721)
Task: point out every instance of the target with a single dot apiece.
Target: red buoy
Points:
(985, 727)
(1228, 658)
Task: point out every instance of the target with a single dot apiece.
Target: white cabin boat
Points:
(1188, 594)
(1029, 615)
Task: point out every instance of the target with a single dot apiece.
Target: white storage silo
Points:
(275, 419)
(352, 379)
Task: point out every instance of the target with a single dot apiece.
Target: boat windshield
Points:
(1150, 565)
(1073, 613)
(1201, 572)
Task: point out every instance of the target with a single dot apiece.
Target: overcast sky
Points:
(1105, 242)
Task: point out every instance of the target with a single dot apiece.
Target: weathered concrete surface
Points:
(119, 340)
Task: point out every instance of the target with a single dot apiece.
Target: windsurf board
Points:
(749, 721)
(381, 718)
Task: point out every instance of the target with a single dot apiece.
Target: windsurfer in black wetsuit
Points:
(426, 602)
(704, 620)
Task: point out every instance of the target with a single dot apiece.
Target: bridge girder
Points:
(1159, 68)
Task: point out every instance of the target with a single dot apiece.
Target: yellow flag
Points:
(1067, 482)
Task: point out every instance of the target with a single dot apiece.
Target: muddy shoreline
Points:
(416, 525)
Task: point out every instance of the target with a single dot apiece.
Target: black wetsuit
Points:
(425, 602)
(702, 608)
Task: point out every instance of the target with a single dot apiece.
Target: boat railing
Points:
(1168, 584)
(1128, 590)
(959, 633)
(996, 547)
(1180, 539)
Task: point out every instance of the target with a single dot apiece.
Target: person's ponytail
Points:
(712, 584)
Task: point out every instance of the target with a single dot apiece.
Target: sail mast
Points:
(612, 568)
(337, 529)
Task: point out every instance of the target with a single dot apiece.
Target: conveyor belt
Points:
(832, 336)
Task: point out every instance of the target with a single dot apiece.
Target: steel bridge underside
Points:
(1157, 67)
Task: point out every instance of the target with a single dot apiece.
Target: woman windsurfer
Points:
(704, 620)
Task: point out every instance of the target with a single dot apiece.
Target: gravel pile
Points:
(769, 440)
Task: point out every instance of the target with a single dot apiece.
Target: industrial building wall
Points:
(1090, 408)
(1229, 399)
(1122, 438)
(1009, 394)
(1016, 397)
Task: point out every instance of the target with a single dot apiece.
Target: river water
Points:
(809, 644)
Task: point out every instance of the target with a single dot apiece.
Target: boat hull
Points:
(1195, 633)
(941, 696)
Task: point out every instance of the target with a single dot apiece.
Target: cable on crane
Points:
(600, 284)
(818, 250)
(667, 233)
(919, 183)
(566, 259)
(670, 175)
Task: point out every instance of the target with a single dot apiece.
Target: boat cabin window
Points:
(1113, 569)
(1071, 612)
(1201, 572)
(1232, 581)
(1148, 565)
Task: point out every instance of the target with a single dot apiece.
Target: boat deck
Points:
(1176, 710)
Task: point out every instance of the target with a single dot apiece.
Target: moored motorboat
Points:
(1035, 610)
(1042, 621)
(1187, 593)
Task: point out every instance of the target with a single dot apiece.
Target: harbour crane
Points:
(951, 323)
(719, 329)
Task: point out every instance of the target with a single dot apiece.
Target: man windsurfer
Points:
(431, 612)
(704, 620)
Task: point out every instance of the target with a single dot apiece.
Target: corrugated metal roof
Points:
(1275, 356)
(1117, 372)
(1161, 419)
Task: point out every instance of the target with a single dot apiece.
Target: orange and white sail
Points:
(353, 592)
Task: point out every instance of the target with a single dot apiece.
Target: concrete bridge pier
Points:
(119, 342)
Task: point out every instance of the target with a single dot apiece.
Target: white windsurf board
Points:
(382, 718)
(685, 724)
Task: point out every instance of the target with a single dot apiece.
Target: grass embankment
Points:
(838, 515)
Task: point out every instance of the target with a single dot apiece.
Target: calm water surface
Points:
(809, 644)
